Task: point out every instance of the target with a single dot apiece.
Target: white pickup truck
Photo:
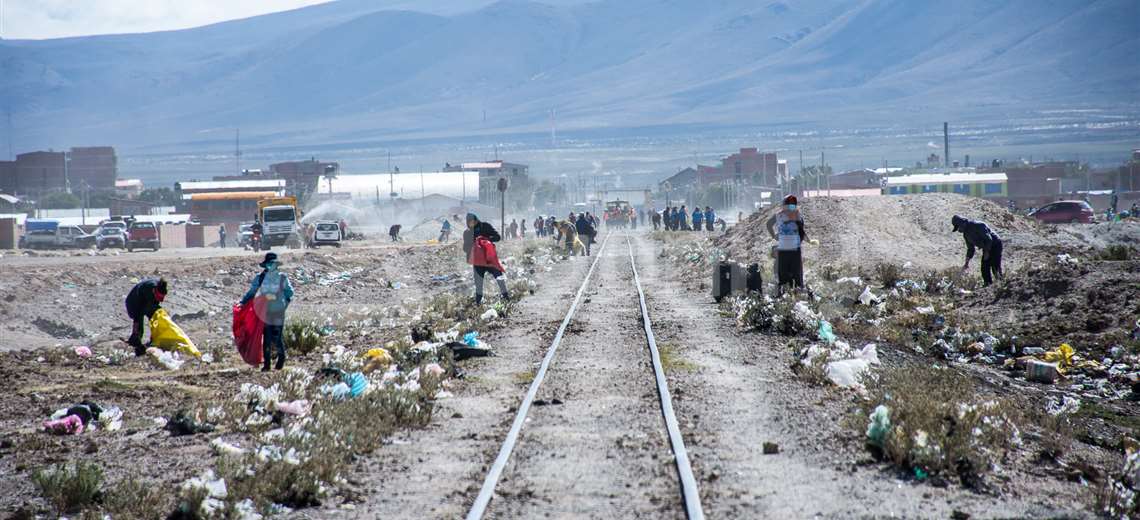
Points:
(49, 234)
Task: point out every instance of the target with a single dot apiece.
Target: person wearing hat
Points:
(979, 235)
(142, 302)
(274, 287)
(476, 229)
(787, 228)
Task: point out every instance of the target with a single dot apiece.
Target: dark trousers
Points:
(791, 267)
(136, 335)
(273, 336)
(992, 264)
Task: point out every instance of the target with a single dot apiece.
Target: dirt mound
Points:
(1091, 305)
(864, 231)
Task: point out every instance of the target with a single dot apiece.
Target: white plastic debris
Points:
(867, 297)
(1064, 405)
(846, 373)
(224, 448)
(164, 359)
(215, 491)
(851, 279)
(491, 314)
(1066, 259)
(925, 310)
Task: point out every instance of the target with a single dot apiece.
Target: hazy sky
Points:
(57, 18)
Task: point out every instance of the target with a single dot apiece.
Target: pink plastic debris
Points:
(299, 407)
(83, 352)
(69, 425)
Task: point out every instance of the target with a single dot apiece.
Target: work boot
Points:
(280, 362)
(265, 366)
(478, 299)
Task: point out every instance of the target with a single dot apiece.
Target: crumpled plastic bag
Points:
(166, 335)
(879, 426)
(867, 297)
(471, 339)
(378, 359)
(1063, 355)
(846, 372)
(83, 352)
(166, 360)
(825, 333)
(299, 408)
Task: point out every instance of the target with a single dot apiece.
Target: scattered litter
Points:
(69, 425)
(215, 489)
(471, 339)
(1041, 371)
(378, 359)
(544, 402)
(490, 314)
(867, 297)
(879, 426)
(461, 351)
(1063, 405)
(1066, 259)
(164, 359)
(299, 408)
(434, 369)
(224, 448)
(847, 372)
(851, 279)
(825, 333)
(357, 384)
(166, 335)
(182, 423)
(83, 352)
(1062, 355)
(925, 310)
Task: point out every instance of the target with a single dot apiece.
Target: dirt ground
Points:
(601, 453)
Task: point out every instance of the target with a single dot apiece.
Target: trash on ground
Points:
(825, 333)
(1063, 405)
(183, 423)
(463, 351)
(867, 297)
(166, 335)
(224, 448)
(879, 426)
(299, 408)
(378, 359)
(847, 372)
(83, 352)
(1062, 355)
(69, 425)
(490, 314)
(214, 490)
(1041, 371)
(164, 359)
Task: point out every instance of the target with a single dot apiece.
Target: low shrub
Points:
(1117, 253)
(69, 489)
(889, 274)
(134, 500)
(302, 337)
(940, 426)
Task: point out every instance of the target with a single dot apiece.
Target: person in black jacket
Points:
(979, 235)
(477, 228)
(586, 231)
(142, 302)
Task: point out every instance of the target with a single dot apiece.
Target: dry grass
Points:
(69, 488)
(888, 274)
(672, 360)
(939, 424)
(135, 500)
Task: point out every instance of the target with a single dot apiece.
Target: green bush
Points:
(1117, 253)
(302, 337)
(889, 274)
(69, 489)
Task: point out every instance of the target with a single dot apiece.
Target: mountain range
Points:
(366, 70)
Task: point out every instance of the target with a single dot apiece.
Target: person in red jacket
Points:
(479, 248)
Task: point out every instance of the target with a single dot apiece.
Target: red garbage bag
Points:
(485, 255)
(248, 329)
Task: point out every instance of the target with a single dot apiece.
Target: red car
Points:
(1064, 212)
(142, 234)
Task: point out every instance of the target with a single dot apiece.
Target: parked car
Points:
(245, 235)
(142, 235)
(1065, 211)
(113, 236)
(325, 233)
(50, 234)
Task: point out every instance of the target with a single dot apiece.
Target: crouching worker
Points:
(142, 302)
(479, 247)
(979, 235)
(787, 228)
(276, 291)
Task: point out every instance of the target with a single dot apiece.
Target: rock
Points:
(959, 515)
(771, 448)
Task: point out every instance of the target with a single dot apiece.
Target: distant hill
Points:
(362, 70)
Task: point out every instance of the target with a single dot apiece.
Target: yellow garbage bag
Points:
(1063, 354)
(378, 359)
(166, 335)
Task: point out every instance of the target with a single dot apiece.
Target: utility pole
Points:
(66, 174)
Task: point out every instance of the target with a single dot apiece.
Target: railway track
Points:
(686, 487)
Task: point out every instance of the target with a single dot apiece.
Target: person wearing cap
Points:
(274, 286)
(476, 229)
(979, 235)
(144, 299)
(787, 228)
